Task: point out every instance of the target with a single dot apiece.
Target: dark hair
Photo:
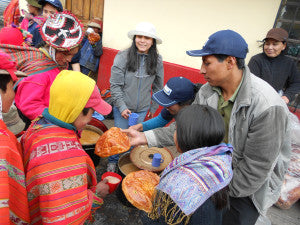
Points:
(151, 62)
(4, 80)
(85, 111)
(239, 61)
(221, 198)
(199, 126)
(197, 86)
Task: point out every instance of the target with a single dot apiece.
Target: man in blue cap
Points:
(256, 121)
(176, 94)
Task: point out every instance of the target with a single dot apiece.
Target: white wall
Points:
(186, 24)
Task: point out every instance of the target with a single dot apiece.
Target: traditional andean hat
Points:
(62, 31)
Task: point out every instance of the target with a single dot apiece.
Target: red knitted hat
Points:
(11, 36)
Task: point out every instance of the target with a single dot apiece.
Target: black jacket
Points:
(280, 72)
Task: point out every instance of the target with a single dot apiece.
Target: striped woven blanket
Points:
(30, 60)
(13, 194)
(60, 176)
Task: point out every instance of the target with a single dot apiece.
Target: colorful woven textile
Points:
(13, 194)
(60, 176)
(11, 15)
(29, 59)
(191, 178)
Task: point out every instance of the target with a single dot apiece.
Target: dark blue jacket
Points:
(90, 55)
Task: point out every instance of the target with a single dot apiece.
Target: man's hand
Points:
(125, 113)
(138, 127)
(285, 99)
(102, 188)
(136, 138)
(150, 115)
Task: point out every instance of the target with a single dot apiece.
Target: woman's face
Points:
(7, 97)
(143, 43)
(49, 10)
(82, 120)
(63, 57)
(273, 48)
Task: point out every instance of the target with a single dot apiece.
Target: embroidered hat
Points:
(34, 3)
(8, 67)
(145, 29)
(56, 3)
(177, 89)
(278, 34)
(96, 22)
(226, 42)
(62, 31)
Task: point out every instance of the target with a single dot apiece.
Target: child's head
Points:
(198, 126)
(74, 97)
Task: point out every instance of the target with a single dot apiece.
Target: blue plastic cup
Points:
(133, 119)
(157, 160)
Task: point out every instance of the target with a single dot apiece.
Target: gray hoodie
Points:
(132, 90)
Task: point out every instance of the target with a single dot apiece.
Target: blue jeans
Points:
(123, 124)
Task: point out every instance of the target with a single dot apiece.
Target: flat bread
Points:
(112, 142)
(139, 187)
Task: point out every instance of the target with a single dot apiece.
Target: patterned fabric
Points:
(60, 176)
(11, 15)
(191, 178)
(1, 118)
(63, 31)
(13, 194)
(29, 59)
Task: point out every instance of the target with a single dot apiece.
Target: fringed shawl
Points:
(189, 180)
(60, 176)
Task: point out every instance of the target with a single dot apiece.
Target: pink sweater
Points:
(32, 95)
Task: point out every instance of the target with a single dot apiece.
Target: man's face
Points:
(7, 97)
(215, 72)
(174, 109)
(64, 57)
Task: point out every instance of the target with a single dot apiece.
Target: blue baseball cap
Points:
(177, 89)
(225, 42)
(56, 3)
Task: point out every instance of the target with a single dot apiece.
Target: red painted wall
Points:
(170, 70)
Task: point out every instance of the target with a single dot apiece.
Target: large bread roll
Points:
(112, 142)
(139, 187)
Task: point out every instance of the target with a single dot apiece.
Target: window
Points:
(288, 18)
